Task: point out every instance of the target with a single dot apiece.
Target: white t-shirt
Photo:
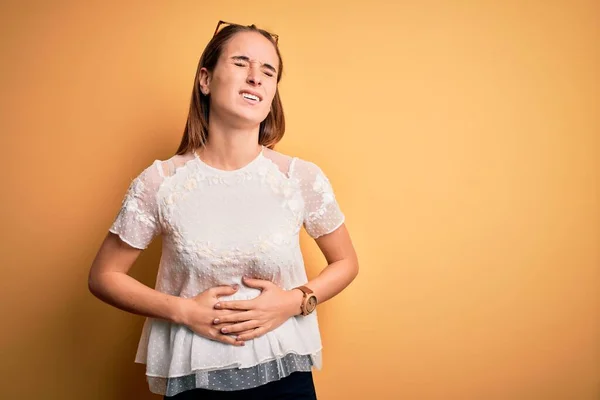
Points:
(218, 226)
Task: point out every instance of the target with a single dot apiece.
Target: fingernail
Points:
(243, 344)
(224, 330)
(216, 321)
(218, 305)
(236, 287)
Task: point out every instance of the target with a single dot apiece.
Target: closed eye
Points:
(244, 61)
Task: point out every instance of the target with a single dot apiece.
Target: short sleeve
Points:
(137, 222)
(322, 213)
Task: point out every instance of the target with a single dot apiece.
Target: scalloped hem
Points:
(233, 378)
(327, 232)
(130, 243)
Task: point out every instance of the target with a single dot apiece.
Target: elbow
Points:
(354, 267)
(94, 285)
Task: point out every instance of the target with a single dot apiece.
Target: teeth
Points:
(250, 96)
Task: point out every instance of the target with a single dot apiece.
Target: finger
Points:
(232, 340)
(219, 337)
(234, 316)
(257, 283)
(245, 332)
(220, 313)
(243, 326)
(220, 326)
(241, 305)
(223, 290)
(253, 334)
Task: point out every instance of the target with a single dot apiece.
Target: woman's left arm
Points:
(275, 305)
(342, 265)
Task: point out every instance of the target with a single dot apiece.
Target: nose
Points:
(254, 77)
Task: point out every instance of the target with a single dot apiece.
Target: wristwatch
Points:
(309, 300)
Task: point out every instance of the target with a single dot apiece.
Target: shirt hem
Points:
(120, 235)
(237, 365)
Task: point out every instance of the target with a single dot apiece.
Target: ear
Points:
(205, 81)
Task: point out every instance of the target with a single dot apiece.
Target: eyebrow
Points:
(245, 58)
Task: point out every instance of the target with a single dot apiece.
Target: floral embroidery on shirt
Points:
(286, 188)
(190, 184)
(195, 250)
(180, 189)
(132, 202)
(322, 187)
(218, 227)
(241, 177)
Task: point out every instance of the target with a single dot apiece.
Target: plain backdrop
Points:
(461, 138)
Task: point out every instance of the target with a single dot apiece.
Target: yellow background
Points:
(461, 137)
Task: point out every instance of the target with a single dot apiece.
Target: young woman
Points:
(232, 315)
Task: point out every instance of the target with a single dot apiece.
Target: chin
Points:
(250, 119)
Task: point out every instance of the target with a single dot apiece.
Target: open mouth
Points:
(254, 98)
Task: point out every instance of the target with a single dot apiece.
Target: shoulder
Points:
(159, 169)
(298, 166)
(304, 166)
(166, 168)
(153, 174)
(148, 173)
(283, 161)
(306, 170)
(147, 180)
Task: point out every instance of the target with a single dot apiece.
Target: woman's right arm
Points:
(109, 281)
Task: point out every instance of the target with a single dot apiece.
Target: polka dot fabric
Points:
(218, 226)
(233, 378)
(322, 214)
(137, 221)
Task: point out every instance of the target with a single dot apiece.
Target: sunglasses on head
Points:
(222, 24)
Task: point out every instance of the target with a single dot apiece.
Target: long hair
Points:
(195, 134)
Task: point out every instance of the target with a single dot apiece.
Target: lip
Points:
(252, 93)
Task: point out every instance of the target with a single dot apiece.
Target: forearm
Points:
(126, 293)
(333, 279)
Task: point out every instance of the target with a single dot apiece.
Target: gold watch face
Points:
(311, 304)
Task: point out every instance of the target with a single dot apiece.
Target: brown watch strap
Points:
(305, 290)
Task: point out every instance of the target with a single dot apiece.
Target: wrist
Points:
(296, 298)
(179, 310)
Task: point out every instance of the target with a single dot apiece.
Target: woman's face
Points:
(244, 81)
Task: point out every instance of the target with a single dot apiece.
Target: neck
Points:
(229, 148)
